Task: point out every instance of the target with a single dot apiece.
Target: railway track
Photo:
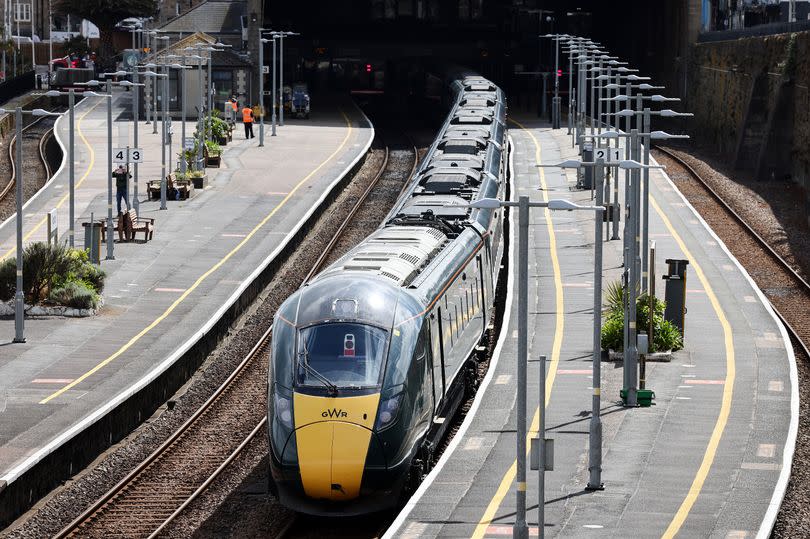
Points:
(787, 291)
(158, 490)
(35, 133)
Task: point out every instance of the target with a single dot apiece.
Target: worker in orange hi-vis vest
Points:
(234, 109)
(247, 119)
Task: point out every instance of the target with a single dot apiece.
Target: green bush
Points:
(213, 148)
(43, 264)
(8, 279)
(76, 295)
(217, 127)
(48, 268)
(665, 335)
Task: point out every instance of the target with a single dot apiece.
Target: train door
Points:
(437, 348)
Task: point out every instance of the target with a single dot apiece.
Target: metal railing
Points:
(754, 31)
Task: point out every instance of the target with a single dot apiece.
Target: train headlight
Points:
(388, 412)
(283, 409)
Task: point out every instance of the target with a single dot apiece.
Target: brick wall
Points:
(722, 79)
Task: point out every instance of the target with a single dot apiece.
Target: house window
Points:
(22, 12)
(223, 85)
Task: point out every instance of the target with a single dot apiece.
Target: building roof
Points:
(225, 58)
(211, 17)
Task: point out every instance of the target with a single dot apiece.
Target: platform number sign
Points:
(609, 155)
(128, 155)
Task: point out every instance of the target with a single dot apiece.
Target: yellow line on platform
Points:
(205, 275)
(509, 477)
(728, 387)
(62, 200)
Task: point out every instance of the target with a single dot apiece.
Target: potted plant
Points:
(213, 154)
(666, 337)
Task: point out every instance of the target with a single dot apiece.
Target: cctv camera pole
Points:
(19, 298)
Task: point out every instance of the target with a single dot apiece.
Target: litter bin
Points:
(587, 157)
(92, 241)
(675, 293)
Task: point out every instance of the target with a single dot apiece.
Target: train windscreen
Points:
(340, 355)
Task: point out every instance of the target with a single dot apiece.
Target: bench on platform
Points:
(132, 224)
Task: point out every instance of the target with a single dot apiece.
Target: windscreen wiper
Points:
(332, 389)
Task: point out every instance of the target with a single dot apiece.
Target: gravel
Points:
(33, 168)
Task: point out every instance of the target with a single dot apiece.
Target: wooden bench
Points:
(127, 224)
(132, 224)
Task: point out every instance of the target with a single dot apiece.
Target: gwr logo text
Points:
(334, 412)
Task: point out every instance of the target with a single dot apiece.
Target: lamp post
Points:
(520, 528)
(154, 86)
(181, 96)
(19, 296)
(182, 110)
(646, 138)
(281, 36)
(134, 86)
(555, 106)
(262, 41)
(110, 228)
(165, 78)
(200, 127)
(71, 159)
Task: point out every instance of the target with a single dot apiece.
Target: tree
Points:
(106, 14)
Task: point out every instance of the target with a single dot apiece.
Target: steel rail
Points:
(759, 239)
(260, 346)
(12, 180)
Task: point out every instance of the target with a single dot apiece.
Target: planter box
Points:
(200, 183)
(213, 161)
(657, 357)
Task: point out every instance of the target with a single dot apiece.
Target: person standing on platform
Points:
(247, 119)
(234, 108)
(121, 176)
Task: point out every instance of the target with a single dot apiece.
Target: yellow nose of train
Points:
(333, 437)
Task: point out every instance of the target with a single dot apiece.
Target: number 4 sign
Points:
(128, 155)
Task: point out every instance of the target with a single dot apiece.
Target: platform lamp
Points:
(155, 76)
(19, 295)
(134, 85)
(520, 528)
(281, 35)
(200, 106)
(71, 160)
(182, 84)
(646, 138)
(110, 228)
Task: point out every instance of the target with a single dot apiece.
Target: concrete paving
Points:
(705, 461)
(160, 293)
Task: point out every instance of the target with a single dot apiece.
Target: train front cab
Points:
(346, 401)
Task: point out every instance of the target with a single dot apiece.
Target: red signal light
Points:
(368, 68)
(559, 72)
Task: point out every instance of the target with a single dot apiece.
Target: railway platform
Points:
(163, 296)
(711, 458)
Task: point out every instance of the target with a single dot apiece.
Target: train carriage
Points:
(371, 356)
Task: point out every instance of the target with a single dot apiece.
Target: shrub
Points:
(213, 148)
(665, 335)
(93, 276)
(8, 279)
(76, 295)
(44, 264)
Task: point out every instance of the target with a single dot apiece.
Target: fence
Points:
(754, 31)
(15, 86)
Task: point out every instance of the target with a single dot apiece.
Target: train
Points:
(372, 357)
